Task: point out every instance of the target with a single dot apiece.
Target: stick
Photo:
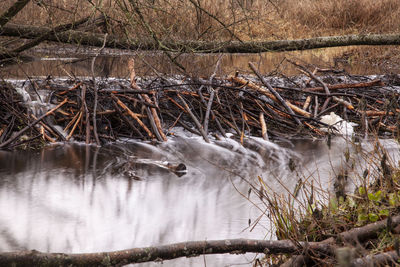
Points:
(18, 134)
(85, 109)
(207, 117)
(313, 76)
(264, 133)
(196, 121)
(275, 93)
(212, 113)
(133, 115)
(152, 112)
(347, 86)
(76, 124)
(343, 102)
(210, 100)
(96, 136)
(390, 258)
(266, 93)
(128, 121)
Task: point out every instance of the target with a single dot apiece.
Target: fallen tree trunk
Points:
(172, 251)
(92, 39)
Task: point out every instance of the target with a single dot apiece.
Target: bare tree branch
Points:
(12, 11)
(166, 252)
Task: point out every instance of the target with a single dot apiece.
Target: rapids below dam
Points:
(75, 198)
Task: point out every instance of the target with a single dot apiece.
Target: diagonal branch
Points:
(12, 11)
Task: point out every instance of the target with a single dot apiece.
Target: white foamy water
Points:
(76, 198)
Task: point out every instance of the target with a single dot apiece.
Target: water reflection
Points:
(71, 198)
(75, 62)
(75, 198)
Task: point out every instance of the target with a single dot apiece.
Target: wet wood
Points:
(133, 115)
(152, 113)
(19, 133)
(270, 95)
(194, 118)
(347, 86)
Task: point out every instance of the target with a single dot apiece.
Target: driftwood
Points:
(159, 253)
(195, 248)
(93, 39)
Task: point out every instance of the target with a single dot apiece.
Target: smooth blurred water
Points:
(77, 198)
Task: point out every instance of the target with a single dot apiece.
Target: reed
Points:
(223, 20)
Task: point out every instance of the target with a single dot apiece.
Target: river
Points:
(75, 198)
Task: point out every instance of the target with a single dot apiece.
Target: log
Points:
(92, 39)
(166, 252)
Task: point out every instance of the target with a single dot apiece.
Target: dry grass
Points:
(224, 20)
(343, 16)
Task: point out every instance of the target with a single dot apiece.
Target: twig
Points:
(96, 136)
(30, 125)
(210, 101)
(259, 89)
(151, 112)
(133, 115)
(196, 121)
(85, 109)
(277, 96)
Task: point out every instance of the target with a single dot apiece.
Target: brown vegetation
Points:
(222, 20)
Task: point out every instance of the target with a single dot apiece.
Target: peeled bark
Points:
(92, 39)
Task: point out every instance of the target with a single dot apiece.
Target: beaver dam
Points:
(91, 164)
(103, 110)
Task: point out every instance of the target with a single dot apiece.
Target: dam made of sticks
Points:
(95, 110)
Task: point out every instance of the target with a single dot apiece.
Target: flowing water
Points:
(78, 198)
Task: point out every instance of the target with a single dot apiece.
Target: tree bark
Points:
(390, 258)
(12, 11)
(172, 251)
(92, 39)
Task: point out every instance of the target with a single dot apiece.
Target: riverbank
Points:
(359, 217)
